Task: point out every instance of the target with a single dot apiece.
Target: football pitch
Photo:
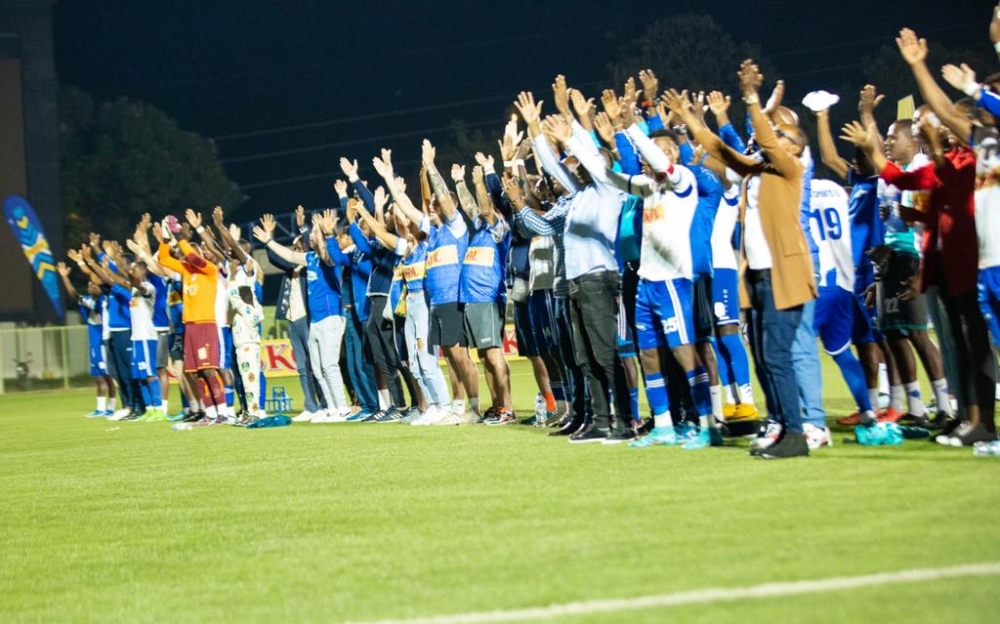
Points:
(134, 522)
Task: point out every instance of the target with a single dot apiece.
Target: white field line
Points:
(708, 596)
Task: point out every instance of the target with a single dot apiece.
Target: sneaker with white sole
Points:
(120, 414)
(769, 433)
(453, 418)
(306, 416)
(817, 438)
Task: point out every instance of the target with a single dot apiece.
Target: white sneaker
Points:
(767, 437)
(430, 415)
(119, 414)
(817, 438)
(305, 416)
(451, 418)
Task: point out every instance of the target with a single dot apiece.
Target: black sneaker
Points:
(568, 429)
(645, 426)
(792, 444)
(193, 417)
(947, 424)
(617, 436)
(488, 417)
(592, 433)
(912, 420)
(134, 415)
(969, 435)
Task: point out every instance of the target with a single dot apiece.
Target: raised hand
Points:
(777, 97)
(560, 95)
(145, 222)
(650, 83)
(194, 218)
(349, 168)
(341, 187)
(698, 107)
(631, 94)
(857, 134)
(584, 107)
(557, 126)
(868, 100)
(478, 176)
(234, 231)
(133, 246)
(62, 268)
(218, 217)
(995, 25)
(512, 188)
(261, 234)
(427, 152)
(911, 48)
(486, 162)
(605, 129)
(94, 240)
(380, 199)
(401, 185)
(750, 78)
(382, 167)
(962, 78)
(75, 256)
(267, 221)
(158, 232)
(327, 220)
(718, 103)
(678, 103)
(458, 173)
(530, 111)
(611, 105)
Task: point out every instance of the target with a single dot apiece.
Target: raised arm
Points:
(265, 234)
(914, 52)
(465, 197)
(680, 105)
(227, 237)
(439, 186)
(383, 166)
(785, 164)
(827, 148)
(384, 236)
(531, 114)
(63, 271)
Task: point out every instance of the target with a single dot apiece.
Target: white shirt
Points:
(723, 254)
(296, 307)
(988, 226)
(667, 213)
(541, 263)
(831, 228)
(221, 297)
(245, 317)
(141, 311)
(757, 250)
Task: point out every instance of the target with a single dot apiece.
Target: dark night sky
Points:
(227, 68)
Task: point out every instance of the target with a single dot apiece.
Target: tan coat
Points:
(780, 198)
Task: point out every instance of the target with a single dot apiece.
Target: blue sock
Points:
(155, 393)
(723, 364)
(184, 400)
(263, 388)
(633, 395)
(735, 354)
(147, 400)
(557, 391)
(230, 396)
(854, 375)
(656, 393)
(700, 390)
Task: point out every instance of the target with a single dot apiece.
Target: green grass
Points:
(134, 522)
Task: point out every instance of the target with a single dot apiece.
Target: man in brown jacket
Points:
(778, 272)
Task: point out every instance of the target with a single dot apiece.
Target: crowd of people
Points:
(635, 244)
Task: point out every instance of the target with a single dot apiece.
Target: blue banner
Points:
(28, 231)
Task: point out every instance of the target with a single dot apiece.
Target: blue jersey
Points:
(396, 287)
(324, 288)
(119, 315)
(445, 251)
(482, 267)
(161, 320)
(867, 228)
(415, 268)
(175, 305)
(709, 195)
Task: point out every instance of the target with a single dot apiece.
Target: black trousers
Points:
(382, 339)
(594, 314)
(973, 352)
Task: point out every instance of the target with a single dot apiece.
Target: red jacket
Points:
(950, 246)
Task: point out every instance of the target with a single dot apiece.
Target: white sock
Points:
(873, 397)
(868, 417)
(111, 403)
(383, 399)
(458, 406)
(102, 403)
(663, 421)
(883, 378)
(913, 403)
(704, 422)
(211, 413)
(941, 395)
(896, 394)
(746, 394)
(164, 407)
(716, 392)
(474, 404)
(731, 392)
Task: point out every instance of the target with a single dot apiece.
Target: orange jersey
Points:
(200, 280)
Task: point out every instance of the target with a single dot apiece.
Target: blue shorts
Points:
(526, 346)
(726, 297)
(864, 324)
(226, 349)
(989, 300)
(839, 320)
(664, 314)
(542, 318)
(143, 359)
(98, 354)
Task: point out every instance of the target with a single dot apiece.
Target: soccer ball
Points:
(172, 224)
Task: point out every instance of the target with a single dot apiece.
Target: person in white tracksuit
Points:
(247, 315)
